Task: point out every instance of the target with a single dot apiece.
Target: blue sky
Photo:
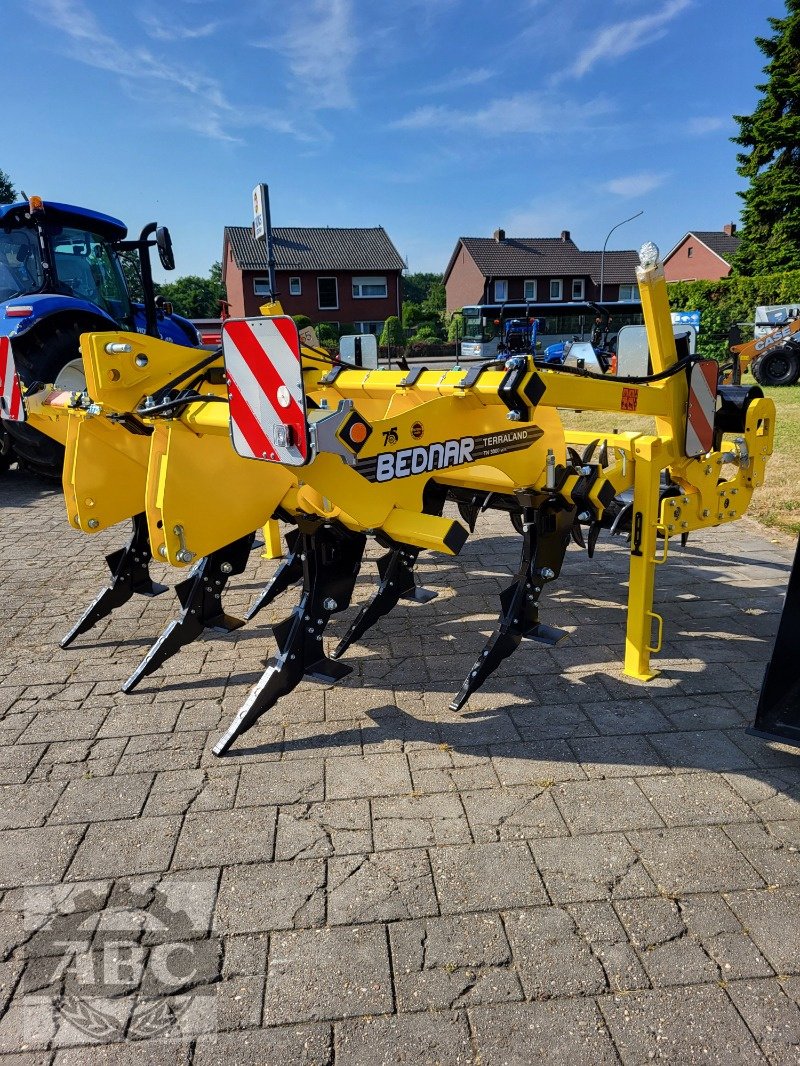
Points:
(433, 118)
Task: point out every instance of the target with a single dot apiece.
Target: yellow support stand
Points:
(272, 540)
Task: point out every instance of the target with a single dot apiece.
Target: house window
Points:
(369, 288)
(556, 289)
(689, 252)
(295, 288)
(261, 286)
(328, 294)
(629, 292)
(375, 328)
(577, 289)
(529, 290)
(500, 292)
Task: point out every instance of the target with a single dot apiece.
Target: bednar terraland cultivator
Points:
(343, 453)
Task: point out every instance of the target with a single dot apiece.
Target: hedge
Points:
(730, 300)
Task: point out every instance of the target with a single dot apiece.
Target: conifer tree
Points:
(7, 192)
(770, 161)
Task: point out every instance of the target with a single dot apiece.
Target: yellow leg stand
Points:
(272, 540)
(644, 525)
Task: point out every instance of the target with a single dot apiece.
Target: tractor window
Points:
(20, 264)
(88, 269)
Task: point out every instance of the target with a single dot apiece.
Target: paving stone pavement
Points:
(576, 868)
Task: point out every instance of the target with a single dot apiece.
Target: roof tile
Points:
(316, 248)
(531, 257)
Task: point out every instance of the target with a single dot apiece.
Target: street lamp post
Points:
(605, 242)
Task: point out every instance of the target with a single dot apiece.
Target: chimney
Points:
(499, 235)
(565, 235)
(729, 228)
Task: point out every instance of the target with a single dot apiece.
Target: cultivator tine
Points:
(288, 573)
(396, 570)
(201, 598)
(130, 576)
(545, 537)
(331, 560)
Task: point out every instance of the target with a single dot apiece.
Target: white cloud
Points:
(703, 124)
(170, 31)
(621, 38)
(320, 46)
(458, 79)
(635, 184)
(179, 94)
(521, 113)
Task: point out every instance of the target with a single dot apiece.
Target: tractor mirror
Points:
(164, 244)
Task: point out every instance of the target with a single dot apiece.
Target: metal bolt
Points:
(184, 556)
(706, 512)
(584, 516)
(226, 568)
(547, 573)
(330, 604)
(141, 360)
(162, 551)
(92, 523)
(684, 525)
(513, 416)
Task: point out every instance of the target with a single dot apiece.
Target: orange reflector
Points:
(358, 433)
(35, 203)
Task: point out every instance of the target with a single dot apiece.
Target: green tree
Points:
(8, 194)
(392, 334)
(196, 297)
(416, 287)
(455, 327)
(770, 161)
(436, 300)
(133, 276)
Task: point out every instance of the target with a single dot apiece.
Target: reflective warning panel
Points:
(701, 408)
(11, 405)
(265, 389)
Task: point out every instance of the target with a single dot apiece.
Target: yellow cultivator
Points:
(201, 453)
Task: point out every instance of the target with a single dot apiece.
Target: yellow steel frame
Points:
(199, 495)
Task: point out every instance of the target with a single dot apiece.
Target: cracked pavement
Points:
(575, 868)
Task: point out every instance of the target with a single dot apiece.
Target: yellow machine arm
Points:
(344, 453)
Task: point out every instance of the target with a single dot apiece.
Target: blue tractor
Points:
(61, 276)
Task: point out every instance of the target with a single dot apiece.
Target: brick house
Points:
(548, 273)
(347, 277)
(702, 255)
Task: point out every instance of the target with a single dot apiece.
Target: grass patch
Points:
(777, 503)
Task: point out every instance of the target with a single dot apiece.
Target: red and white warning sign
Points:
(11, 405)
(265, 389)
(701, 408)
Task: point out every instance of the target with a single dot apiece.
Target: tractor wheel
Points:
(41, 360)
(779, 367)
(7, 456)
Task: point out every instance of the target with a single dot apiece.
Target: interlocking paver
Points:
(689, 1025)
(218, 837)
(276, 895)
(697, 859)
(549, 955)
(590, 867)
(461, 960)
(380, 887)
(486, 877)
(317, 974)
(376, 878)
(432, 1040)
(516, 1034)
(128, 846)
